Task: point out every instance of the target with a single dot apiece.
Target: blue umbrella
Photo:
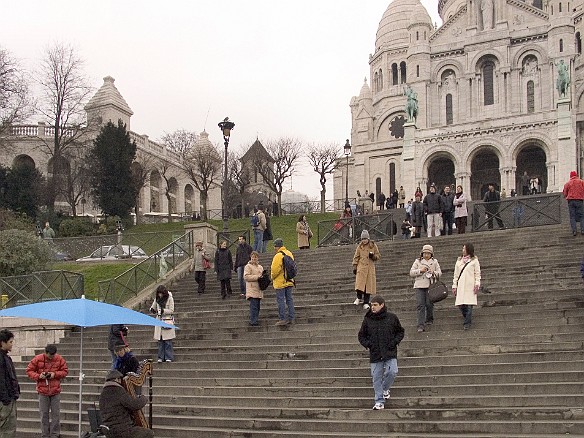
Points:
(83, 313)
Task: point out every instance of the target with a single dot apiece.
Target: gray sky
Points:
(275, 68)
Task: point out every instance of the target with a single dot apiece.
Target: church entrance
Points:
(531, 159)
(484, 170)
(441, 173)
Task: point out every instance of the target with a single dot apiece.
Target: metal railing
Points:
(381, 226)
(517, 212)
(41, 286)
(231, 237)
(156, 267)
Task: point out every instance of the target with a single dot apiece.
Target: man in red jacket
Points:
(574, 193)
(47, 369)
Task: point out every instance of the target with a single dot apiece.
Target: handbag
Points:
(206, 263)
(264, 281)
(437, 291)
(337, 226)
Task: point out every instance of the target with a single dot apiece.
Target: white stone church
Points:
(489, 108)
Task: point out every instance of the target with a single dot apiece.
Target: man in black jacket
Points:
(380, 333)
(9, 388)
(116, 407)
(242, 257)
(448, 213)
(433, 207)
(493, 198)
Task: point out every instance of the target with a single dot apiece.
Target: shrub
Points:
(77, 226)
(22, 252)
(19, 221)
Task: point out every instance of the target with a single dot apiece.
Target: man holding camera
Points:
(47, 369)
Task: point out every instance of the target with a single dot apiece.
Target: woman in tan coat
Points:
(251, 274)
(364, 260)
(304, 233)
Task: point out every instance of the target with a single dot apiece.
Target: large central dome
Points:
(393, 27)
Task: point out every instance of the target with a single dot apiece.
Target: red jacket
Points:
(42, 364)
(574, 189)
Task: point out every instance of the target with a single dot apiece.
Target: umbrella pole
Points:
(80, 380)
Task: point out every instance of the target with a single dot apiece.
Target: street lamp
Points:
(226, 126)
(347, 150)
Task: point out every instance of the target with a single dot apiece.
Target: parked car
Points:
(115, 252)
(62, 256)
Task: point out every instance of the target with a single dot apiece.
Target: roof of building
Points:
(256, 149)
(393, 27)
(108, 94)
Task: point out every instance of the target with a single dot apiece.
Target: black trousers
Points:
(200, 277)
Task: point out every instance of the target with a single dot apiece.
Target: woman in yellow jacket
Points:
(364, 260)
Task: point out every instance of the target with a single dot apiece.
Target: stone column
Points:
(567, 160)
(408, 169)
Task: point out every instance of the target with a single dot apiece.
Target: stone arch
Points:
(445, 65)
(173, 193)
(386, 120)
(23, 160)
(155, 191)
(189, 199)
(531, 49)
(58, 171)
(484, 55)
(531, 156)
(485, 165)
(137, 170)
(440, 168)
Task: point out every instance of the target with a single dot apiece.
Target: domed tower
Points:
(420, 28)
(561, 36)
(362, 116)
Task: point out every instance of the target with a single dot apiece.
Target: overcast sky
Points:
(275, 68)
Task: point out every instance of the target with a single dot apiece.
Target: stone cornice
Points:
(393, 52)
(448, 23)
(525, 39)
(533, 10)
(478, 132)
(447, 54)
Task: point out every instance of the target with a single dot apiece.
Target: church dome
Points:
(399, 15)
(365, 91)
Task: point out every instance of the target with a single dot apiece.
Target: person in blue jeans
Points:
(381, 333)
(282, 286)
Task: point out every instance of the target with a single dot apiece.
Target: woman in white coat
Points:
(466, 282)
(163, 307)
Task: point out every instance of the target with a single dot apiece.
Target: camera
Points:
(119, 225)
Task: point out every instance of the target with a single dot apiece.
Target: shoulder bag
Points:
(437, 290)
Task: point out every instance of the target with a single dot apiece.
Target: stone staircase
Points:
(519, 372)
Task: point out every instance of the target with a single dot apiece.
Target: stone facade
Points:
(161, 165)
(488, 104)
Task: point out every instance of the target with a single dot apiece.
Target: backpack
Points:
(290, 268)
(264, 281)
(254, 220)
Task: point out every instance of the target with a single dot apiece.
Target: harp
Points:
(134, 380)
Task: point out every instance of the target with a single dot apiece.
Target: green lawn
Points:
(283, 227)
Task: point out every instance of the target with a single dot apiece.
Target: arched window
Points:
(552, 9)
(394, 78)
(375, 79)
(377, 187)
(449, 117)
(380, 80)
(561, 45)
(417, 36)
(402, 68)
(424, 35)
(417, 71)
(559, 8)
(392, 185)
(578, 43)
(488, 83)
(530, 97)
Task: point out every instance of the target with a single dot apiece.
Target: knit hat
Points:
(113, 375)
(278, 243)
(364, 234)
(427, 248)
(573, 174)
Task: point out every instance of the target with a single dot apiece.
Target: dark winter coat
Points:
(433, 203)
(268, 231)
(223, 264)
(493, 199)
(243, 254)
(127, 363)
(448, 202)
(9, 387)
(42, 364)
(417, 219)
(117, 335)
(116, 407)
(381, 333)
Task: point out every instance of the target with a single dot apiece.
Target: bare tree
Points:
(285, 152)
(64, 93)
(180, 141)
(238, 177)
(164, 168)
(323, 159)
(76, 182)
(142, 167)
(15, 100)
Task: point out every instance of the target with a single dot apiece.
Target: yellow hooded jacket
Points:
(277, 270)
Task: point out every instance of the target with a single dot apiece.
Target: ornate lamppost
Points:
(347, 151)
(226, 126)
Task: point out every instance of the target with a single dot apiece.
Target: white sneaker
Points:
(386, 395)
(168, 360)
(159, 360)
(360, 301)
(366, 306)
(378, 406)
(356, 302)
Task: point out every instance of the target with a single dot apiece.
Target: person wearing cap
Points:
(366, 254)
(117, 335)
(282, 286)
(116, 406)
(574, 194)
(200, 260)
(466, 282)
(47, 369)
(125, 362)
(381, 333)
(433, 207)
(424, 270)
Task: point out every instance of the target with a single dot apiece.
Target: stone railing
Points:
(39, 130)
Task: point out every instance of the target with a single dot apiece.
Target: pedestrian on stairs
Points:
(242, 257)
(282, 285)
(574, 194)
(466, 282)
(223, 268)
(381, 333)
(366, 254)
(200, 264)
(425, 269)
(252, 273)
(163, 308)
